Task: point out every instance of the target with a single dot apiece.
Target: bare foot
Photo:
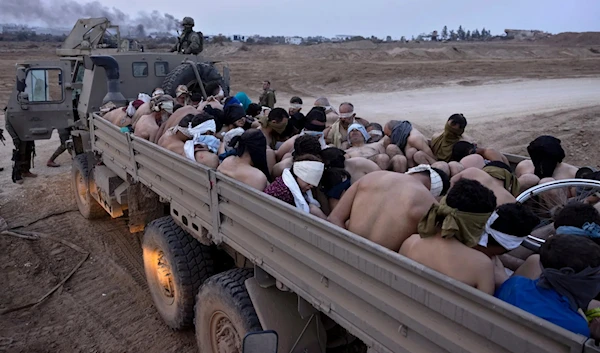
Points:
(52, 164)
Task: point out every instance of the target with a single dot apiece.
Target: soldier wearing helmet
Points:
(189, 42)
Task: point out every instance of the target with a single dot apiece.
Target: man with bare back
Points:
(148, 125)
(384, 207)
(495, 185)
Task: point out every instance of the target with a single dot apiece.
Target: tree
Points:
(461, 33)
(476, 35)
(388, 38)
(445, 33)
(485, 34)
(403, 39)
(468, 35)
(453, 35)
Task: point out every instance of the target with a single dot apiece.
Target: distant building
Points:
(237, 38)
(293, 40)
(342, 37)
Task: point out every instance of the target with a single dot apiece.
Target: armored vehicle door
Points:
(42, 99)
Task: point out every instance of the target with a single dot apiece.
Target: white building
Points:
(293, 40)
(237, 38)
(342, 37)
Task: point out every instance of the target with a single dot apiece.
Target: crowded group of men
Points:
(442, 201)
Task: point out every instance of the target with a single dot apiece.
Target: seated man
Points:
(448, 232)
(376, 152)
(148, 125)
(384, 207)
(357, 167)
(192, 138)
(314, 125)
(296, 184)
(182, 95)
(375, 130)
(337, 133)
(249, 164)
(491, 183)
(470, 155)
(408, 141)
(296, 117)
(332, 115)
(433, 179)
(146, 108)
(174, 120)
(570, 280)
(546, 163)
(334, 184)
(442, 143)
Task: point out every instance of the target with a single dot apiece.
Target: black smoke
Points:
(64, 13)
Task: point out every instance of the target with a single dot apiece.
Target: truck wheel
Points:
(184, 75)
(80, 177)
(176, 265)
(224, 312)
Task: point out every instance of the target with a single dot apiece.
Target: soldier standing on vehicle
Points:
(189, 42)
(267, 98)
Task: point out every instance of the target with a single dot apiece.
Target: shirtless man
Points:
(384, 207)
(148, 125)
(357, 167)
(182, 95)
(408, 141)
(195, 142)
(376, 152)
(375, 130)
(491, 183)
(546, 163)
(442, 142)
(146, 108)
(450, 230)
(249, 164)
(332, 115)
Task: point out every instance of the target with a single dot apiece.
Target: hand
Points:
(595, 329)
(500, 275)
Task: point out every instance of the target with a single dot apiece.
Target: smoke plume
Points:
(64, 13)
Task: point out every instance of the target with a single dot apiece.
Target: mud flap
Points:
(278, 311)
(144, 206)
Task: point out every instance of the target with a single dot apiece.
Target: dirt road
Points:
(105, 306)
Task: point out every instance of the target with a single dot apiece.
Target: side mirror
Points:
(261, 342)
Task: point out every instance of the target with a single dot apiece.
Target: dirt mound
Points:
(575, 38)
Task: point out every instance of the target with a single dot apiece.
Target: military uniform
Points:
(22, 155)
(189, 42)
(267, 98)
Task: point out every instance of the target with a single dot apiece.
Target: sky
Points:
(332, 17)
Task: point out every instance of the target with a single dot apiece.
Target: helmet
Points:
(187, 21)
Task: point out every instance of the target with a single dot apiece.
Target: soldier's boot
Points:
(16, 172)
(27, 160)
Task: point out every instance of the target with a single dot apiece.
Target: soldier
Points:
(22, 156)
(267, 98)
(189, 42)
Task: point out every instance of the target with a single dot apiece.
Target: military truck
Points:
(230, 260)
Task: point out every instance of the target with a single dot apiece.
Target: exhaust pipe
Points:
(111, 67)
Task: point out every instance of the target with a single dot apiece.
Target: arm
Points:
(315, 211)
(342, 211)
(270, 99)
(286, 147)
(326, 134)
(486, 281)
(271, 159)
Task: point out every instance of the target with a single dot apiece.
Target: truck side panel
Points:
(390, 302)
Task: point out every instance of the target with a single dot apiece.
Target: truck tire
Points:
(224, 312)
(184, 75)
(176, 265)
(80, 179)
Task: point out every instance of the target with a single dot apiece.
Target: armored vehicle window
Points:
(140, 69)
(161, 68)
(44, 85)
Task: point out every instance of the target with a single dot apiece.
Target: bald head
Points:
(346, 108)
(322, 102)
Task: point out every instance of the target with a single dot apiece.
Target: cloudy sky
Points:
(329, 17)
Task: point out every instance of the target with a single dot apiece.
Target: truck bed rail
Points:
(390, 302)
